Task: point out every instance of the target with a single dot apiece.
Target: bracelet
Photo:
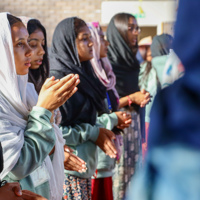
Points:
(2, 183)
(129, 100)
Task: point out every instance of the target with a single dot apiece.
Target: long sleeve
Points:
(79, 134)
(39, 139)
(108, 121)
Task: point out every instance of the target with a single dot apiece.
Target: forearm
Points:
(80, 133)
(39, 140)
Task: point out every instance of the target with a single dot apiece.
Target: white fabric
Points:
(17, 97)
(106, 74)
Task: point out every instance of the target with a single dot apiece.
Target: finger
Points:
(76, 164)
(28, 195)
(143, 91)
(71, 89)
(50, 82)
(17, 190)
(110, 150)
(124, 126)
(72, 167)
(67, 96)
(128, 121)
(110, 134)
(69, 80)
(112, 147)
(77, 161)
(73, 82)
(68, 149)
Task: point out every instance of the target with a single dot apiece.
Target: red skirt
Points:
(102, 189)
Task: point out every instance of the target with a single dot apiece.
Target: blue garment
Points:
(172, 168)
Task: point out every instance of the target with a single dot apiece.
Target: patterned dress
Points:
(76, 188)
(131, 157)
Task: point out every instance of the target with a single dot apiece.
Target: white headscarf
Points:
(17, 97)
(106, 74)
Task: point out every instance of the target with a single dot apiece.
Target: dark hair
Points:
(121, 23)
(12, 19)
(78, 24)
(38, 76)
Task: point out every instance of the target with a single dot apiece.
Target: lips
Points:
(39, 62)
(28, 63)
(91, 51)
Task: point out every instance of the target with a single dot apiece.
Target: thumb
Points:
(17, 190)
(68, 149)
(143, 91)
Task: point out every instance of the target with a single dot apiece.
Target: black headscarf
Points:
(161, 45)
(125, 65)
(1, 159)
(83, 106)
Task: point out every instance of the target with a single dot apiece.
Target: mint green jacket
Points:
(39, 139)
(106, 164)
(81, 138)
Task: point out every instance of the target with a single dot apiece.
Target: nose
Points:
(90, 43)
(107, 43)
(29, 51)
(41, 51)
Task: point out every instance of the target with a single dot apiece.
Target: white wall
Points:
(155, 12)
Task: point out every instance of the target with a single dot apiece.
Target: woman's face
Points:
(84, 44)
(22, 51)
(104, 45)
(133, 31)
(37, 42)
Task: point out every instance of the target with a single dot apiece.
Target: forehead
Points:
(84, 30)
(132, 20)
(37, 34)
(18, 30)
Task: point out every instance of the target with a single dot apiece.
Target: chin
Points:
(34, 67)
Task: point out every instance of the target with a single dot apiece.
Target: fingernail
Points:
(80, 171)
(83, 166)
(20, 192)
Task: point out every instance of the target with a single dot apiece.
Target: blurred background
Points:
(154, 17)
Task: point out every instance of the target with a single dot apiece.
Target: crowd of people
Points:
(75, 116)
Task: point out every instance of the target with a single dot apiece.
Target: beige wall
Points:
(50, 12)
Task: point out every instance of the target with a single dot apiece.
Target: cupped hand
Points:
(11, 191)
(54, 93)
(104, 141)
(124, 119)
(73, 162)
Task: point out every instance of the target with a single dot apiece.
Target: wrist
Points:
(129, 100)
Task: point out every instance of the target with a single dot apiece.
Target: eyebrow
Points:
(20, 39)
(86, 34)
(35, 39)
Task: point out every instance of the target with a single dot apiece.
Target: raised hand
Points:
(73, 162)
(54, 93)
(104, 141)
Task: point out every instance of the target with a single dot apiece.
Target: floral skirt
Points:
(76, 188)
(131, 157)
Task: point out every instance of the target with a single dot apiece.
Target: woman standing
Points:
(71, 51)
(122, 35)
(39, 72)
(27, 134)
